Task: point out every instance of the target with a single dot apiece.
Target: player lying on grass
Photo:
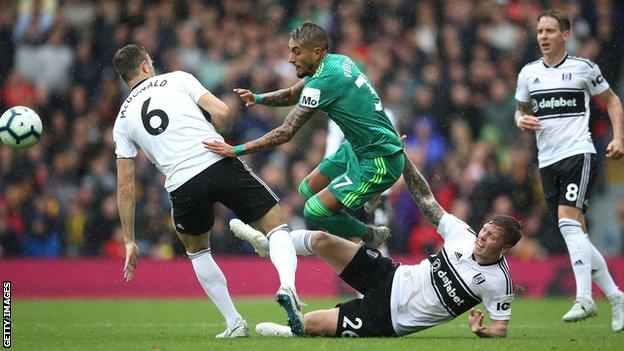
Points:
(403, 299)
(366, 164)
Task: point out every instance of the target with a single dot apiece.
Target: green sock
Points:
(341, 223)
(305, 190)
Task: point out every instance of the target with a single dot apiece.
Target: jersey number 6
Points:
(146, 117)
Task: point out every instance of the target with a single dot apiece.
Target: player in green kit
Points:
(367, 163)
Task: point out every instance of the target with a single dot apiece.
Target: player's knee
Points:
(311, 324)
(193, 246)
(319, 240)
(195, 243)
(316, 323)
(305, 190)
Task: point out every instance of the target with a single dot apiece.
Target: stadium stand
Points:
(445, 69)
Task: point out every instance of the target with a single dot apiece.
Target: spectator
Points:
(444, 69)
(9, 241)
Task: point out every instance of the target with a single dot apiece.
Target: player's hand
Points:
(219, 147)
(529, 123)
(475, 321)
(247, 96)
(132, 255)
(615, 149)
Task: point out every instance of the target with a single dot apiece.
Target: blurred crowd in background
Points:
(446, 72)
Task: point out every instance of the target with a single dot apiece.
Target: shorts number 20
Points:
(347, 323)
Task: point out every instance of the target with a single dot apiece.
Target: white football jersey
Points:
(559, 97)
(161, 116)
(449, 283)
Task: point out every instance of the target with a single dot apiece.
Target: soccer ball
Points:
(20, 127)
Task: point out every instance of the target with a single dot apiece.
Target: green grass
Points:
(192, 325)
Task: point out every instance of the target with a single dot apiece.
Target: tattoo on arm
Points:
(525, 108)
(420, 191)
(295, 119)
(277, 98)
(283, 97)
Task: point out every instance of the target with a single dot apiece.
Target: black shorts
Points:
(371, 274)
(569, 181)
(228, 181)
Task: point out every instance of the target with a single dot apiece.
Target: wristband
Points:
(239, 150)
(258, 98)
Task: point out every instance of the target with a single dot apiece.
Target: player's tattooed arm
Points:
(420, 191)
(524, 117)
(282, 134)
(283, 97)
(524, 107)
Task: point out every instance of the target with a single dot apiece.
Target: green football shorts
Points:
(355, 181)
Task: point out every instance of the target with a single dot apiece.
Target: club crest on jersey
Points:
(566, 77)
(478, 279)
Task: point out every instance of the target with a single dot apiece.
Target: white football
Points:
(20, 127)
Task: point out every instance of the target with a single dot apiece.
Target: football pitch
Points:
(192, 324)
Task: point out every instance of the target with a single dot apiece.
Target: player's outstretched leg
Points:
(284, 259)
(341, 223)
(301, 239)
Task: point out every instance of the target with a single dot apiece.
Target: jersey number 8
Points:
(572, 192)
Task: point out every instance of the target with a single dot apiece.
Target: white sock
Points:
(283, 255)
(302, 241)
(213, 281)
(600, 272)
(580, 255)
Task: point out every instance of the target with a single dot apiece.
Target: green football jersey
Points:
(342, 91)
